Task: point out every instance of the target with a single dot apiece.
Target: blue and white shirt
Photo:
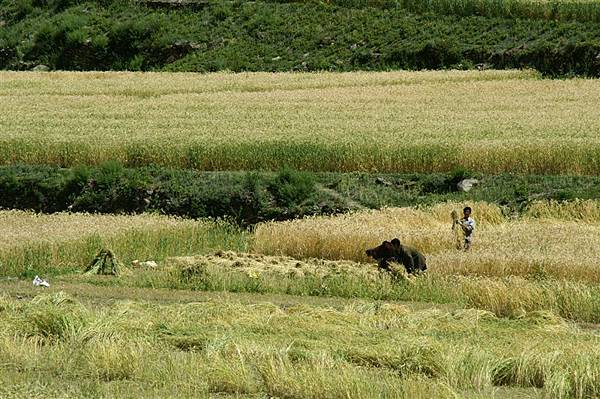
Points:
(468, 226)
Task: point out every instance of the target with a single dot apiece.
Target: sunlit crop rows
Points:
(554, 244)
(488, 121)
(19, 228)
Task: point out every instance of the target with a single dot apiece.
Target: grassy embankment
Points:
(558, 38)
(249, 197)
(488, 122)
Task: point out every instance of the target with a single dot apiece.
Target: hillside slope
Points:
(558, 39)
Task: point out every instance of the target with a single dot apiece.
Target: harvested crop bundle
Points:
(106, 262)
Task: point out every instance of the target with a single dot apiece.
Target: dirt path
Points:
(105, 294)
(92, 294)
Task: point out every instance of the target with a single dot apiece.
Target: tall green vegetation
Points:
(562, 39)
(563, 10)
(247, 198)
(242, 197)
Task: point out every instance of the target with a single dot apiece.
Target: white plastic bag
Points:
(37, 281)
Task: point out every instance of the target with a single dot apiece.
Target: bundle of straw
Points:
(106, 262)
(457, 229)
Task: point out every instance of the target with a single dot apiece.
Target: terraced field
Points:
(238, 324)
(564, 10)
(295, 309)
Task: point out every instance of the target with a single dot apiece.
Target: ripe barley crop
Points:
(393, 121)
(550, 240)
(35, 243)
(579, 210)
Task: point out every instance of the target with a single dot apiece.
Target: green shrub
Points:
(292, 187)
(247, 198)
(16, 10)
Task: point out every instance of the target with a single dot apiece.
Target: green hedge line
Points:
(303, 36)
(244, 197)
(251, 197)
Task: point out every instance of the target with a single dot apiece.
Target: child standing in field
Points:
(468, 225)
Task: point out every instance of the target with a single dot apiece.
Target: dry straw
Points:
(227, 348)
(255, 265)
(552, 240)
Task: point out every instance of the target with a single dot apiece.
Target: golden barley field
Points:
(487, 121)
(295, 309)
(558, 240)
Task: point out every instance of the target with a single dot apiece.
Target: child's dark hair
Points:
(467, 208)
